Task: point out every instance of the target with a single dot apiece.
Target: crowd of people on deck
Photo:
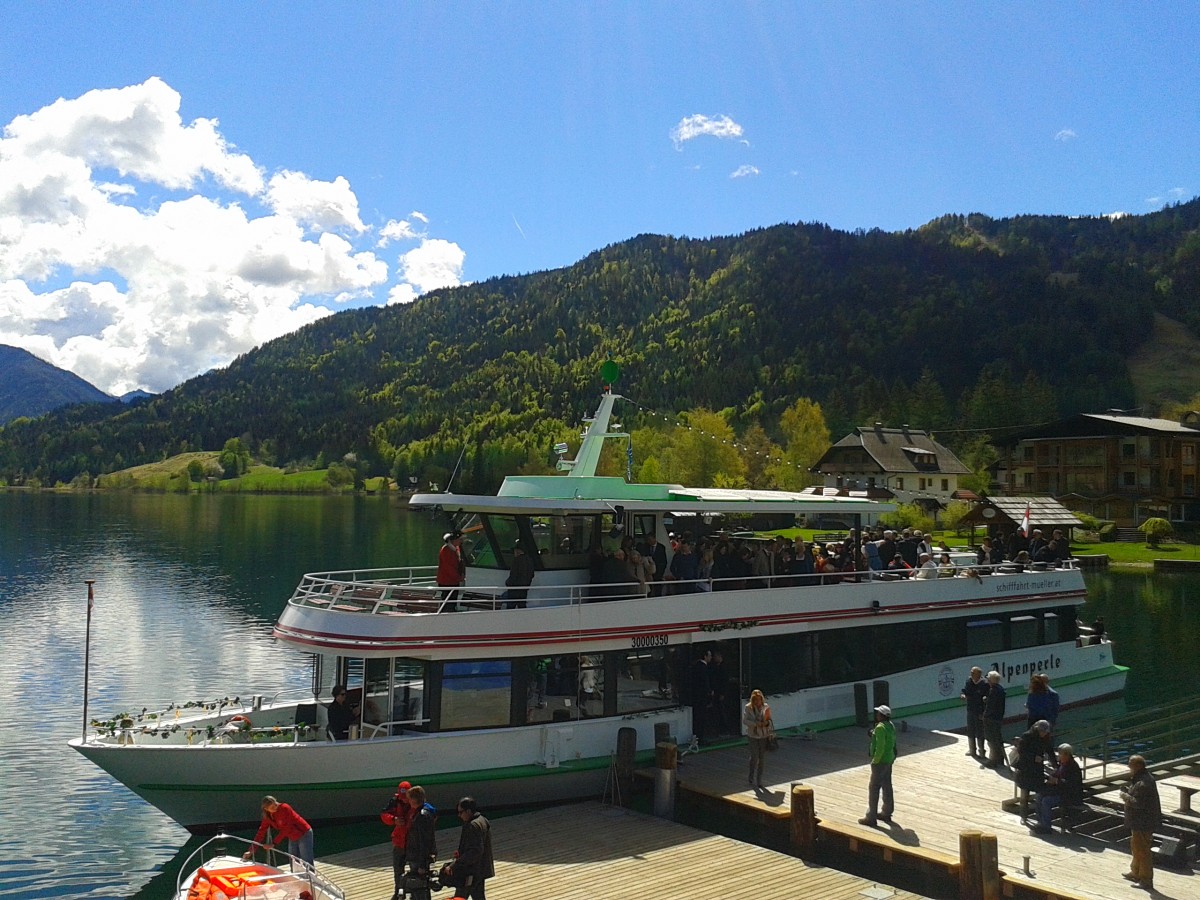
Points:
(721, 562)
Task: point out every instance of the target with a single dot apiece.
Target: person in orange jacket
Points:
(399, 815)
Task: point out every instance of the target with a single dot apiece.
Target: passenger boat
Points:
(221, 875)
(467, 693)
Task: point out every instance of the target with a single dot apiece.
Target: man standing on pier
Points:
(975, 693)
(993, 720)
(883, 754)
(1143, 814)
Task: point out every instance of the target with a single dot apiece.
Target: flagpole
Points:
(87, 652)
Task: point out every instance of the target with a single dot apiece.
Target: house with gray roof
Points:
(901, 463)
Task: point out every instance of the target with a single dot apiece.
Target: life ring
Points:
(240, 722)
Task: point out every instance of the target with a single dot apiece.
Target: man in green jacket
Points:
(883, 754)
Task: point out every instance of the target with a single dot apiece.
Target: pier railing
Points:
(1164, 735)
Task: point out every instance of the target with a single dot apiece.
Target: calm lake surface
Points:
(187, 589)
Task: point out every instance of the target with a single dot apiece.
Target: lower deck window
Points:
(476, 694)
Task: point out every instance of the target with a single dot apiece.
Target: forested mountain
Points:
(30, 386)
(967, 322)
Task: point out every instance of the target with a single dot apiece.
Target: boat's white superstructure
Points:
(467, 691)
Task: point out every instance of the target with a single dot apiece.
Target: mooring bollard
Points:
(666, 758)
(804, 821)
(626, 751)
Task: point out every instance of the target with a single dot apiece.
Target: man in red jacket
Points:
(452, 569)
(398, 814)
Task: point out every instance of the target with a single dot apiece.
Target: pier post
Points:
(862, 712)
(804, 821)
(662, 733)
(882, 691)
(970, 874)
(626, 750)
(989, 865)
(666, 759)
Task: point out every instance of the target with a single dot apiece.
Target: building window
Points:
(945, 484)
(921, 484)
(1189, 485)
(1189, 453)
(1027, 480)
(1128, 450)
(1129, 479)
(1027, 453)
(899, 484)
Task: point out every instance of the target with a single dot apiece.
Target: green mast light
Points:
(610, 372)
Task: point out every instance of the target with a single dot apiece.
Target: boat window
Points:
(476, 694)
(502, 532)
(563, 542)
(643, 524)
(985, 636)
(591, 685)
(1024, 631)
(649, 679)
(1050, 628)
(408, 694)
(377, 691)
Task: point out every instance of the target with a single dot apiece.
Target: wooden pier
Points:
(590, 851)
(941, 793)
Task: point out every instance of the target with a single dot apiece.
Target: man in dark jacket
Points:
(473, 862)
(657, 552)
(1063, 788)
(422, 834)
(993, 720)
(520, 576)
(1143, 814)
(975, 692)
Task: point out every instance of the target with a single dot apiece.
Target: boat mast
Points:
(585, 461)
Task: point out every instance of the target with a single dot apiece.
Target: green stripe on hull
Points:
(507, 773)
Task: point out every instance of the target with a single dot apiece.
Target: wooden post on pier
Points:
(666, 760)
(626, 750)
(979, 866)
(804, 821)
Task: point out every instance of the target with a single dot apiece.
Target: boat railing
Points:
(401, 592)
(302, 875)
(1163, 735)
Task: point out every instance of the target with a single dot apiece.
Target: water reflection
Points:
(187, 589)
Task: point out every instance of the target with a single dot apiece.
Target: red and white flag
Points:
(1025, 522)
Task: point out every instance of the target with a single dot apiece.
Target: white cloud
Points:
(130, 292)
(744, 172)
(1065, 135)
(690, 127)
(321, 204)
(396, 230)
(434, 264)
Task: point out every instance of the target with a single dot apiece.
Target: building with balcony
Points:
(901, 463)
(1116, 467)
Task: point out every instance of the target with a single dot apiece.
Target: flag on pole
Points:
(1025, 522)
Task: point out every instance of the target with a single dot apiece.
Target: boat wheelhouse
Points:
(519, 701)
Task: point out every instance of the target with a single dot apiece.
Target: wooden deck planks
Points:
(593, 852)
(940, 792)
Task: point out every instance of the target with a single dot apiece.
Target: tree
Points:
(705, 449)
(195, 470)
(759, 452)
(234, 458)
(1155, 530)
(806, 438)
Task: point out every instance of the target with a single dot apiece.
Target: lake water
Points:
(187, 589)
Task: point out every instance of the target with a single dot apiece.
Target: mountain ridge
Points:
(30, 386)
(965, 324)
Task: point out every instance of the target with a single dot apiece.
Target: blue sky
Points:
(506, 138)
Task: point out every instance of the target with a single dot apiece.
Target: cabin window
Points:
(1050, 628)
(503, 532)
(1023, 631)
(563, 542)
(648, 679)
(476, 694)
(408, 694)
(643, 525)
(984, 636)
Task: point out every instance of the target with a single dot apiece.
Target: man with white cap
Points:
(883, 754)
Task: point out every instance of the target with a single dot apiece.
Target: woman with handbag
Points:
(756, 719)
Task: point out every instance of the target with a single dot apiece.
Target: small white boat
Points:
(217, 872)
